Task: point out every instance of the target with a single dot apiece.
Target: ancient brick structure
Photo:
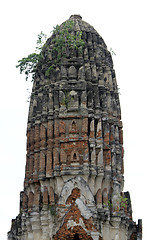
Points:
(73, 187)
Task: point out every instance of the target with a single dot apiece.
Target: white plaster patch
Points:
(72, 223)
(116, 237)
(85, 212)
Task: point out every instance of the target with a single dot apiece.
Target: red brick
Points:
(30, 199)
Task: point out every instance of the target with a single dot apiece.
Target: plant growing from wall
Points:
(27, 65)
(67, 99)
(64, 39)
(112, 52)
(110, 204)
(123, 202)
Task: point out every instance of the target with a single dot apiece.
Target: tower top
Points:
(77, 16)
(79, 67)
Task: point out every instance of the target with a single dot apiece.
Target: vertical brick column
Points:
(49, 167)
(42, 165)
(36, 200)
(56, 144)
(36, 153)
(31, 158)
(27, 160)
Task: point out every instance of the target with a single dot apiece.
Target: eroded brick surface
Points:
(74, 164)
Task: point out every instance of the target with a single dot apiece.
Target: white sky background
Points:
(132, 29)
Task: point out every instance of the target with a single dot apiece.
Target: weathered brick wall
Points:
(74, 158)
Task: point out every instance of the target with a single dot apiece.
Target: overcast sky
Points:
(132, 29)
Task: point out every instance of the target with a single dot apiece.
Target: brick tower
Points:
(73, 187)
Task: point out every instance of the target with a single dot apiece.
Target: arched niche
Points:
(105, 196)
(81, 73)
(63, 156)
(63, 73)
(86, 195)
(72, 72)
(75, 156)
(73, 99)
(99, 197)
(73, 127)
(62, 99)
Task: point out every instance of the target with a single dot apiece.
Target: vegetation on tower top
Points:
(50, 53)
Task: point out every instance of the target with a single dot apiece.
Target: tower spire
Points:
(73, 187)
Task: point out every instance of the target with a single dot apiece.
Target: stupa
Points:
(73, 186)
